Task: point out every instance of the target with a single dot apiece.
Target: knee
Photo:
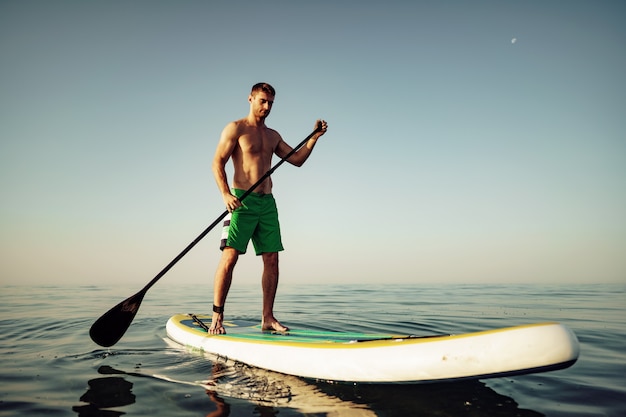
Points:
(270, 260)
(229, 258)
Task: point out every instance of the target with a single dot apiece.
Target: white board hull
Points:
(486, 354)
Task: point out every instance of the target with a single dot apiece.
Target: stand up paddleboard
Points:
(385, 358)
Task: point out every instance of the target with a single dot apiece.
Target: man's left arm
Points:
(300, 157)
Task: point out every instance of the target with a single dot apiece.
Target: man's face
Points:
(261, 103)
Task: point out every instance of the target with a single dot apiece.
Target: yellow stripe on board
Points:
(275, 339)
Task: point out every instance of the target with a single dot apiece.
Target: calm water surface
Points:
(50, 366)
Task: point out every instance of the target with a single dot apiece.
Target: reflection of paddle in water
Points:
(105, 393)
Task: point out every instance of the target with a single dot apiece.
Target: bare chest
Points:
(257, 144)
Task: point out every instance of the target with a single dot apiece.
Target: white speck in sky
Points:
(513, 40)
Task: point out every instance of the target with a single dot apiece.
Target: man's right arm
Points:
(225, 147)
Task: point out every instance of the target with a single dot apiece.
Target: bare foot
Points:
(273, 324)
(217, 324)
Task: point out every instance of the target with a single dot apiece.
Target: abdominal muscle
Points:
(249, 169)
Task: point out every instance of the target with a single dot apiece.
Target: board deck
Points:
(244, 330)
(384, 357)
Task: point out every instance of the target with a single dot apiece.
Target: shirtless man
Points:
(250, 144)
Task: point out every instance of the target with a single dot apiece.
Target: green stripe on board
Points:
(254, 333)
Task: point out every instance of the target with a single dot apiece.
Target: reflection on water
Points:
(275, 393)
(448, 399)
(271, 391)
(222, 408)
(105, 393)
(468, 398)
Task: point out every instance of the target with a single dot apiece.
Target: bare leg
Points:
(270, 285)
(221, 285)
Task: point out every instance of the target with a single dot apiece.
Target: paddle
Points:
(111, 326)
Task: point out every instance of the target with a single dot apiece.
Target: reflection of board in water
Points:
(272, 389)
(232, 381)
(385, 358)
(449, 399)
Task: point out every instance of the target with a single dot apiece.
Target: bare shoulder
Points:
(231, 132)
(234, 128)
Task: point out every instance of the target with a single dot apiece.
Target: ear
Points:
(250, 98)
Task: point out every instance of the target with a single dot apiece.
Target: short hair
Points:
(265, 87)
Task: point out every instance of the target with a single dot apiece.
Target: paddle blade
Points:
(112, 325)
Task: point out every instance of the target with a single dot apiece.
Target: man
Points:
(250, 144)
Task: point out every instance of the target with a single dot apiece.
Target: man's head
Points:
(265, 87)
(261, 99)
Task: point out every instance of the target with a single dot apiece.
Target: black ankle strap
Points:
(218, 310)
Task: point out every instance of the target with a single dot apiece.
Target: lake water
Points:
(50, 366)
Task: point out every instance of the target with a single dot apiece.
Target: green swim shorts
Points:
(256, 219)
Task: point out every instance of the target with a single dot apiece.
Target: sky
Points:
(469, 142)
